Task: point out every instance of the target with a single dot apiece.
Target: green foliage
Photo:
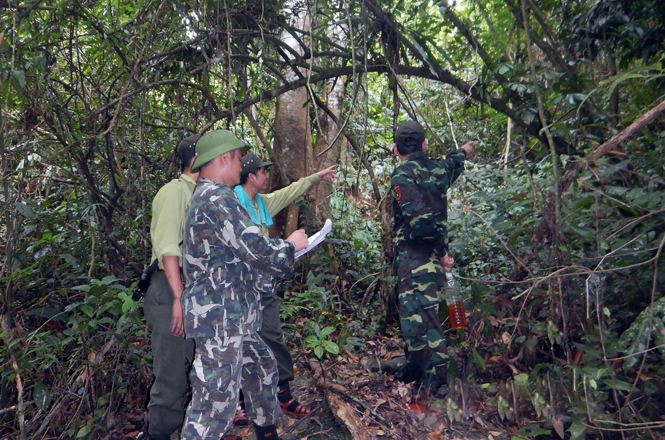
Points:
(96, 96)
(319, 342)
(60, 356)
(647, 326)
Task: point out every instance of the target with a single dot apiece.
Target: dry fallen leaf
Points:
(437, 435)
(558, 426)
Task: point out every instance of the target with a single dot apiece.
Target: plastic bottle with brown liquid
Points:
(455, 302)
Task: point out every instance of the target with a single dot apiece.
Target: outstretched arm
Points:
(327, 174)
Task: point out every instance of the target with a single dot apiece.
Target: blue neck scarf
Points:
(263, 216)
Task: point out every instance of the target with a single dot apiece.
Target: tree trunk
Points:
(326, 149)
(292, 135)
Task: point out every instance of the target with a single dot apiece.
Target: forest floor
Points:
(355, 397)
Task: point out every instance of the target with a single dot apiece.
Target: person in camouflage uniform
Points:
(227, 263)
(419, 186)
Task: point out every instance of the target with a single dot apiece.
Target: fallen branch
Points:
(342, 392)
(346, 415)
(340, 408)
(15, 407)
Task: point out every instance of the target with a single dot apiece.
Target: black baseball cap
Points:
(187, 149)
(409, 131)
(251, 163)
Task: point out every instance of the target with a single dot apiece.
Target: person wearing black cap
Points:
(172, 353)
(261, 209)
(419, 185)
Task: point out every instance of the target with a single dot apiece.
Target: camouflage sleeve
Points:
(272, 256)
(454, 164)
(423, 222)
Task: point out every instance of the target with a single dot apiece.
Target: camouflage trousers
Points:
(419, 278)
(218, 373)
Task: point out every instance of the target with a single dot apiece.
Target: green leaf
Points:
(535, 432)
(521, 379)
(85, 430)
(326, 331)
(109, 279)
(331, 347)
(25, 211)
(69, 259)
(503, 68)
(478, 358)
(128, 303)
(577, 431)
(41, 395)
(318, 351)
(618, 385)
(88, 310)
(19, 77)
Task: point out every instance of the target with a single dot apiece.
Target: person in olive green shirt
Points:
(172, 353)
(261, 209)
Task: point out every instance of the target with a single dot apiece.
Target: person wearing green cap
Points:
(227, 264)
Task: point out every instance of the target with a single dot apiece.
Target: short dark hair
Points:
(243, 177)
(186, 151)
(409, 137)
(411, 147)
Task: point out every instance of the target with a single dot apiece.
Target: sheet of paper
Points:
(315, 239)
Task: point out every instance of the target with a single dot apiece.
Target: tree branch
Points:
(574, 168)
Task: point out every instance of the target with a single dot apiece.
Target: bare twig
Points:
(515, 257)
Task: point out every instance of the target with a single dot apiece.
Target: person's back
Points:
(218, 262)
(420, 213)
(419, 186)
(172, 353)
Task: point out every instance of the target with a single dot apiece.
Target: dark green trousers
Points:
(419, 279)
(172, 356)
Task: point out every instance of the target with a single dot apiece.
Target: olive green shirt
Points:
(168, 215)
(280, 199)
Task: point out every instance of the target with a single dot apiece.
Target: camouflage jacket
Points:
(419, 186)
(227, 263)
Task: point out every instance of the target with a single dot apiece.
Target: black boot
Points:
(266, 432)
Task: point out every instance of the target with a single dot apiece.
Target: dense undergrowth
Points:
(560, 252)
(568, 348)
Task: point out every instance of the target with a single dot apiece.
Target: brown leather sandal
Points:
(294, 408)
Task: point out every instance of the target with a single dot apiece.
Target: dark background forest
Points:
(557, 225)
